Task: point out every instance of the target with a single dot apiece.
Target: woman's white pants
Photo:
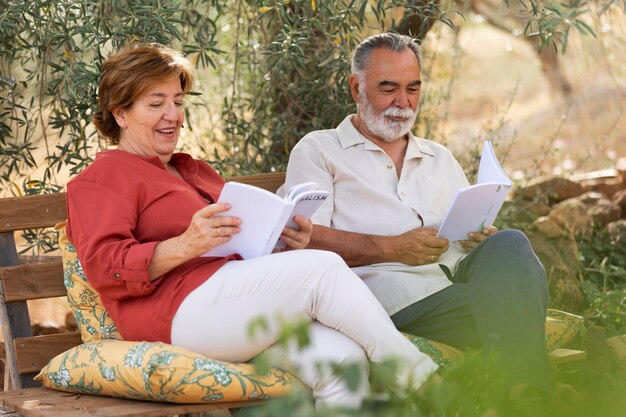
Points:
(348, 322)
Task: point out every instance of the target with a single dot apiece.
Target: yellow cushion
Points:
(561, 328)
(93, 321)
(159, 372)
(442, 354)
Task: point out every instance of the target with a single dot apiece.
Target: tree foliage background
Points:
(279, 69)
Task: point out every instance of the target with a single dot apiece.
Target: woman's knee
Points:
(344, 351)
(325, 265)
(324, 258)
(333, 350)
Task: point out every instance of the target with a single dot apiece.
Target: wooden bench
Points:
(26, 278)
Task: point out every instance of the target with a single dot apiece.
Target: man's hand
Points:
(475, 238)
(298, 239)
(419, 246)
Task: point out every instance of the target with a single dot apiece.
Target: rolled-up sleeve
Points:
(101, 223)
(307, 164)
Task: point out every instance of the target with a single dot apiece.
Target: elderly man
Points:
(389, 193)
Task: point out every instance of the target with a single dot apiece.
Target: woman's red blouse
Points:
(119, 208)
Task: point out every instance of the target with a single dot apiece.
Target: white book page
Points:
(476, 207)
(260, 210)
(473, 209)
(306, 204)
(297, 189)
(489, 169)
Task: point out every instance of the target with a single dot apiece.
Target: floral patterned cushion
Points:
(561, 328)
(442, 354)
(101, 367)
(159, 372)
(93, 321)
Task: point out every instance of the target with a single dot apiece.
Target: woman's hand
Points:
(203, 233)
(207, 230)
(475, 238)
(298, 239)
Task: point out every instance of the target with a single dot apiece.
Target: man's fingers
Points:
(306, 225)
(428, 231)
(435, 242)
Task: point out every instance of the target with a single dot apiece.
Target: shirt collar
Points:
(350, 136)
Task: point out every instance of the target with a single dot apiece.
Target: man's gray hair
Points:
(391, 41)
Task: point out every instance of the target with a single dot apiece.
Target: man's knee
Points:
(509, 239)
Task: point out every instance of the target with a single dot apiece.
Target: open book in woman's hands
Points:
(476, 207)
(264, 215)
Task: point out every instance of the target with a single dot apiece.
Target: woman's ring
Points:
(219, 232)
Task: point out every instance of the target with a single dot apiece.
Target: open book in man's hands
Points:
(476, 207)
(264, 215)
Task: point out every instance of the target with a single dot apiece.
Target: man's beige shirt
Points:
(366, 196)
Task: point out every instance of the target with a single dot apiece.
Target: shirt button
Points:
(389, 166)
(116, 275)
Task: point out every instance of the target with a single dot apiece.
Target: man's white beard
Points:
(377, 123)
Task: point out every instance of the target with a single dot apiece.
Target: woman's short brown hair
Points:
(127, 74)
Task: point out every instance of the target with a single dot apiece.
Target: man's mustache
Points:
(398, 112)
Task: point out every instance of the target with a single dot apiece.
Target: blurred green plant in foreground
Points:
(472, 387)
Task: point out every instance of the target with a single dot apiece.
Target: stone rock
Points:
(620, 167)
(607, 186)
(46, 328)
(550, 189)
(563, 282)
(70, 322)
(577, 214)
(593, 175)
(601, 209)
(617, 231)
(619, 198)
(524, 212)
(592, 197)
(605, 212)
(572, 215)
(547, 227)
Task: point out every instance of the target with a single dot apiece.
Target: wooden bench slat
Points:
(269, 182)
(30, 212)
(559, 356)
(14, 317)
(33, 353)
(29, 278)
(43, 402)
(34, 278)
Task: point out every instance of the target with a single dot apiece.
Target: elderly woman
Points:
(142, 215)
